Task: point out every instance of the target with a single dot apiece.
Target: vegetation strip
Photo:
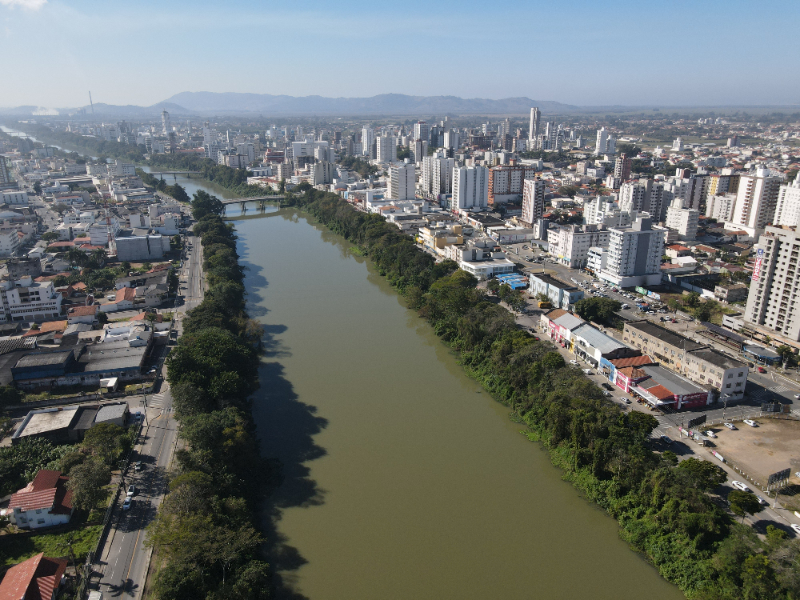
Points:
(204, 530)
(665, 509)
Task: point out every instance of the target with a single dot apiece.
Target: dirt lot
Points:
(760, 451)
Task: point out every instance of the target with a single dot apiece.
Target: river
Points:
(402, 479)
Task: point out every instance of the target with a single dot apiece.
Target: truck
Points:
(545, 305)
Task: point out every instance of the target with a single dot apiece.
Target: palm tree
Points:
(76, 257)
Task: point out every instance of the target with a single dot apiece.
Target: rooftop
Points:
(38, 577)
(110, 412)
(597, 339)
(674, 383)
(44, 359)
(43, 421)
(569, 321)
(552, 281)
(718, 359)
(633, 361)
(669, 338)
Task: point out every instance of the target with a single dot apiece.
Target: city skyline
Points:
(621, 53)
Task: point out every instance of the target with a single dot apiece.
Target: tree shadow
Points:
(286, 429)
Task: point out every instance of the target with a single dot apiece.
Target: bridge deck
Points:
(256, 199)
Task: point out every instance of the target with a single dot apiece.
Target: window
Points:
(727, 386)
(40, 521)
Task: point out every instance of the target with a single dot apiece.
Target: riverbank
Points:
(664, 511)
(205, 530)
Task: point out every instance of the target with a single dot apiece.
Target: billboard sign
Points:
(757, 265)
(696, 421)
(778, 477)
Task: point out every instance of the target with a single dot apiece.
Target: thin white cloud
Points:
(27, 4)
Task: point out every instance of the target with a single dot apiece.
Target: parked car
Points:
(709, 433)
(137, 466)
(127, 504)
(608, 386)
(730, 426)
(606, 393)
(750, 422)
(740, 486)
(573, 362)
(131, 491)
(587, 371)
(762, 370)
(626, 400)
(761, 501)
(796, 528)
(666, 439)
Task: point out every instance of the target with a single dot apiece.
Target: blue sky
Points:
(699, 52)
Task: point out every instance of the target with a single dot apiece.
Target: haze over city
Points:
(582, 53)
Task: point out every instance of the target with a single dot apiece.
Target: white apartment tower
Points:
(773, 299)
(634, 255)
(436, 173)
(683, 220)
(532, 200)
(452, 139)
(166, 126)
(470, 188)
(605, 144)
(533, 129)
(756, 201)
(787, 211)
(422, 131)
(367, 137)
(387, 149)
(402, 181)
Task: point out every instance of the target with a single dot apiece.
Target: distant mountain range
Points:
(211, 103)
(229, 103)
(383, 104)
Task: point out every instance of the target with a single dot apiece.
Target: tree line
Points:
(666, 510)
(205, 528)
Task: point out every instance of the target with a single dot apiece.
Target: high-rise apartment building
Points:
(683, 220)
(452, 139)
(533, 129)
(470, 188)
(5, 176)
(419, 150)
(386, 148)
(622, 167)
(773, 301)
(605, 144)
(505, 183)
(787, 210)
(402, 182)
(643, 195)
(436, 173)
(720, 207)
(422, 131)
(570, 244)
(532, 200)
(166, 126)
(756, 201)
(367, 138)
(634, 255)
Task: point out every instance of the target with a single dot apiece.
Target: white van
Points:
(625, 306)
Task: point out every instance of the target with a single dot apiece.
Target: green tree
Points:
(50, 236)
(9, 396)
(104, 440)
(743, 503)
(205, 204)
(568, 190)
(493, 285)
(178, 192)
(787, 354)
(703, 474)
(758, 578)
(674, 305)
(601, 310)
(86, 481)
(692, 299)
(37, 188)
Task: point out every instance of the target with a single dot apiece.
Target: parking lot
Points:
(760, 451)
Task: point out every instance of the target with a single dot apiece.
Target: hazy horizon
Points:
(586, 54)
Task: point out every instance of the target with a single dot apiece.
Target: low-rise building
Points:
(696, 361)
(559, 293)
(736, 292)
(665, 388)
(592, 345)
(38, 577)
(44, 502)
(27, 300)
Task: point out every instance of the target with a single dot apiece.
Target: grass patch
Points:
(66, 392)
(15, 548)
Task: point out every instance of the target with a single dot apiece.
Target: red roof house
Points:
(44, 502)
(37, 578)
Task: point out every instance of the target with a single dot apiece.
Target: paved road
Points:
(124, 561)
